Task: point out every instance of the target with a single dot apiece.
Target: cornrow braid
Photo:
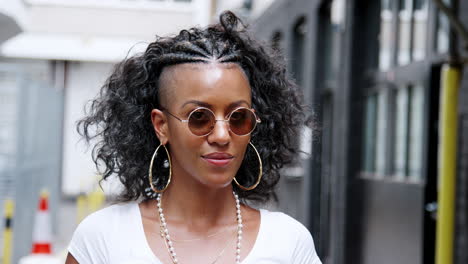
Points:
(119, 118)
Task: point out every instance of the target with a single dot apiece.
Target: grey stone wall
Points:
(461, 225)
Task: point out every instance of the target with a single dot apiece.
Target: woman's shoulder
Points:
(106, 216)
(93, 236)
(283, 222)
(288, 237)
(114, 210)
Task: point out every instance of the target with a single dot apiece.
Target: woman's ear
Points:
(159, 120)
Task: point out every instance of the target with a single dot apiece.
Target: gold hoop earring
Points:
(150, 172)
(259, 174)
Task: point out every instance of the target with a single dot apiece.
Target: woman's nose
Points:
(220, 133)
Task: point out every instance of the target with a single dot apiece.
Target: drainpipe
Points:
(447, 164)
(447, 172)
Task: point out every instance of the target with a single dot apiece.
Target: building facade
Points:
(371, 70)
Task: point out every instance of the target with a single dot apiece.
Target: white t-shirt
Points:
(115, 235)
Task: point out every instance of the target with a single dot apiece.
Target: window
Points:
(386, 36)
(401, 133)
(394, 119)
(409, 131)
(330, 35)
(381, 132)
(394, 107)
(420, 26)
(369, 133)
(415, 143)
(299, 32)
(403, 32)
(443, 31)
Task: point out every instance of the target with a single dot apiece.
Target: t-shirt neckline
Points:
(141, 233)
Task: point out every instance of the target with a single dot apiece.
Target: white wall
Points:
(228, 5)
(259, 6)
(84, 80)
(16, 10)
(94, 30)
(141, 24)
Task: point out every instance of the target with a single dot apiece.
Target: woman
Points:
(195, 128)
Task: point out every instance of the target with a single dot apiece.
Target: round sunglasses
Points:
(201, 121)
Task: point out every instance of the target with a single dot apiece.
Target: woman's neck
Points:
(197, 205)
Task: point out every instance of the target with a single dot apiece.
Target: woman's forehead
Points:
(170, 74)
(204, 81)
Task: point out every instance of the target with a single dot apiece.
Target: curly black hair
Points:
(119, 118)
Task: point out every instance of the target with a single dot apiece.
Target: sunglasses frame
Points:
(257, 119)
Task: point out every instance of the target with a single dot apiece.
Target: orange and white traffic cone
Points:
(42, 234)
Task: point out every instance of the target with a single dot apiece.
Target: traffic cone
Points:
(42, 234)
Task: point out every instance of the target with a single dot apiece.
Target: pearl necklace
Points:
(168, 240)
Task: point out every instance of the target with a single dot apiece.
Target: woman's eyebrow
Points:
(207, 105)
(196, 102)
(237, 103)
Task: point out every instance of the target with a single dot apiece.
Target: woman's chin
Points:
(218, 182)
(217, 177)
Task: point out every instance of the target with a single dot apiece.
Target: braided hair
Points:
(119, 118)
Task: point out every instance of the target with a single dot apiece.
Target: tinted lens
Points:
(201, 122)
(242, 121)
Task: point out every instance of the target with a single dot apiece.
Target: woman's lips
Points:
(218, 159)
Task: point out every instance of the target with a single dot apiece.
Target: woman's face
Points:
(211, 160)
